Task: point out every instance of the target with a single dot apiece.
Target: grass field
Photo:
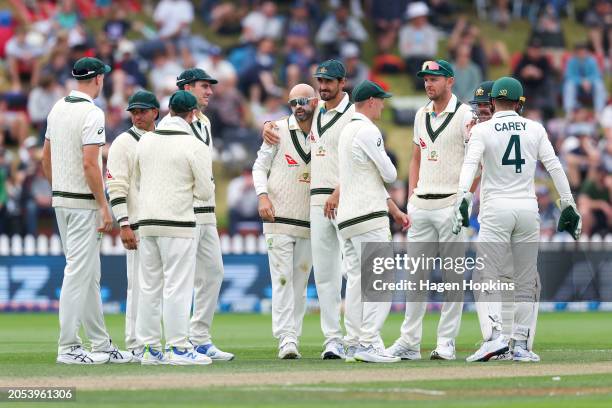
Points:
(575, 347)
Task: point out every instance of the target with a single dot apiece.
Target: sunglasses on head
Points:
(430, 65)
(299, 101)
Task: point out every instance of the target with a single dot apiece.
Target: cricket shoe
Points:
(211, 351)
(334, 350)
(403, 352)
(116, 356)
(507, 356)
(137, 356)
(489, 349)
(289, 351)
(78, 355)
(151, 356)
(349, 357)
(177, 356)
(444, 351)
(520, 354)
(371, 354)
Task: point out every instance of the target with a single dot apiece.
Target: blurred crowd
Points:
(265, 47)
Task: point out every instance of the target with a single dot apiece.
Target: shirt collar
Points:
(450, 107)
(294, 125)
(176, 122)
(361, 116)
(139, 131)
(341, 106)
(80, 94)
(505, 113)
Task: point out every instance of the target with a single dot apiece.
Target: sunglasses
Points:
(299, 101)
(433, 66)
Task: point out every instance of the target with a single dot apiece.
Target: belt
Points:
(433, 196)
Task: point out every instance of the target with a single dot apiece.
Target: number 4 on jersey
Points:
(518, 161)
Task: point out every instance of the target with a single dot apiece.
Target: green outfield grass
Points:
(571, 345)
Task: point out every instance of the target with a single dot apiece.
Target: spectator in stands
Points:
(501, 13)
(242, 202)
(583, 79)
(418, 40)
(598, 20)
(580, 150)
(67, 17)
(14, 125)
(467, 74)
(173, 19)
(465, 33)
(58, 66)
(356, 70)
(41, 100)
(164, 72)
(127, 61)
(23, 54)
(387, 17)
(258, 79)
(594, 203)
(37, 199)
(273, 108)
(216, 65)
(548, 29)
(549, 213)
(263, 22)
(537, 75)
(118, 25)
(338, 28)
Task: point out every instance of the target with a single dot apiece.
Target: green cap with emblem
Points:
(368, 89)
(330, 69)
(143, 100)
(507, 88)
(87, 68)
(183, 101)
(192, 75)
(438, 68)
(482, 94)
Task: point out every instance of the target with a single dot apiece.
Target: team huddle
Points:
(320, 176)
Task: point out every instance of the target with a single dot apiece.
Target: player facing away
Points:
(72, 162)
(171, 171)
(144, 110)
(362, 217)
(281, 175)
(440, 135)
(509, 147)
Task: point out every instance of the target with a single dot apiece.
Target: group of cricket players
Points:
(320, 177)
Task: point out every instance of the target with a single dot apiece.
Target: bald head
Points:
(302, 91)
(303, 101)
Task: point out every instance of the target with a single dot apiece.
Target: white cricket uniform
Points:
(75, 122)
(325, 237)
(283, 172)
(362, 217)
(170, 170)
(209, 262)
(441, 139)
(509, 147)
(123, 195)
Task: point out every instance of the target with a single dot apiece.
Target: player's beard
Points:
(303, 114)
(329, 94)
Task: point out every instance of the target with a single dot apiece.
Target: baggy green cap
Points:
(183, 101)
(368, 89)
(507, 88)
(86, 68)
(143, 100)
(330, 69)
(437, 67)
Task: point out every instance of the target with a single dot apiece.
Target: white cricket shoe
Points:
(507, 356)
(116, 356)
(289, 352)
(334, 350)
(78, 355)
(489, 349)
(403, 352)
(137, 356)
(153, 356)
(444, 351)
(176, 356)
(520, 354)
(371, 354)
(349, 357)
(211, 351)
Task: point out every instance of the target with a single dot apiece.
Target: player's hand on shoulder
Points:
(271, 134)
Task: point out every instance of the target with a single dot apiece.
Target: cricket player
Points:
(170, 169)
(509, 146)
(72, 162)
(332, 114)
(209, 264)
(362, 217)
(144, 110)
(281, 175)
(440, 135)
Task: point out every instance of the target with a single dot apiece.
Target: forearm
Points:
(93, 177)
(413, 176)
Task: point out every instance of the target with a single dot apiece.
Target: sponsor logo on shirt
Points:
(291, 161)
(108, 175)
(422, 143)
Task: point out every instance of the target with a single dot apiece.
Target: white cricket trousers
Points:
(432, 226)
(363, 320)
(80, 299)
(511, 227)
(207, 282)
(290, 264)
(328, 270)
(166, 287)
(131, 302)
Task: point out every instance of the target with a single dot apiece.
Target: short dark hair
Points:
(504, 103)
(182, 115)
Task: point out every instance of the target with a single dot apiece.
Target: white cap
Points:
(349, 50)
(417, 9)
